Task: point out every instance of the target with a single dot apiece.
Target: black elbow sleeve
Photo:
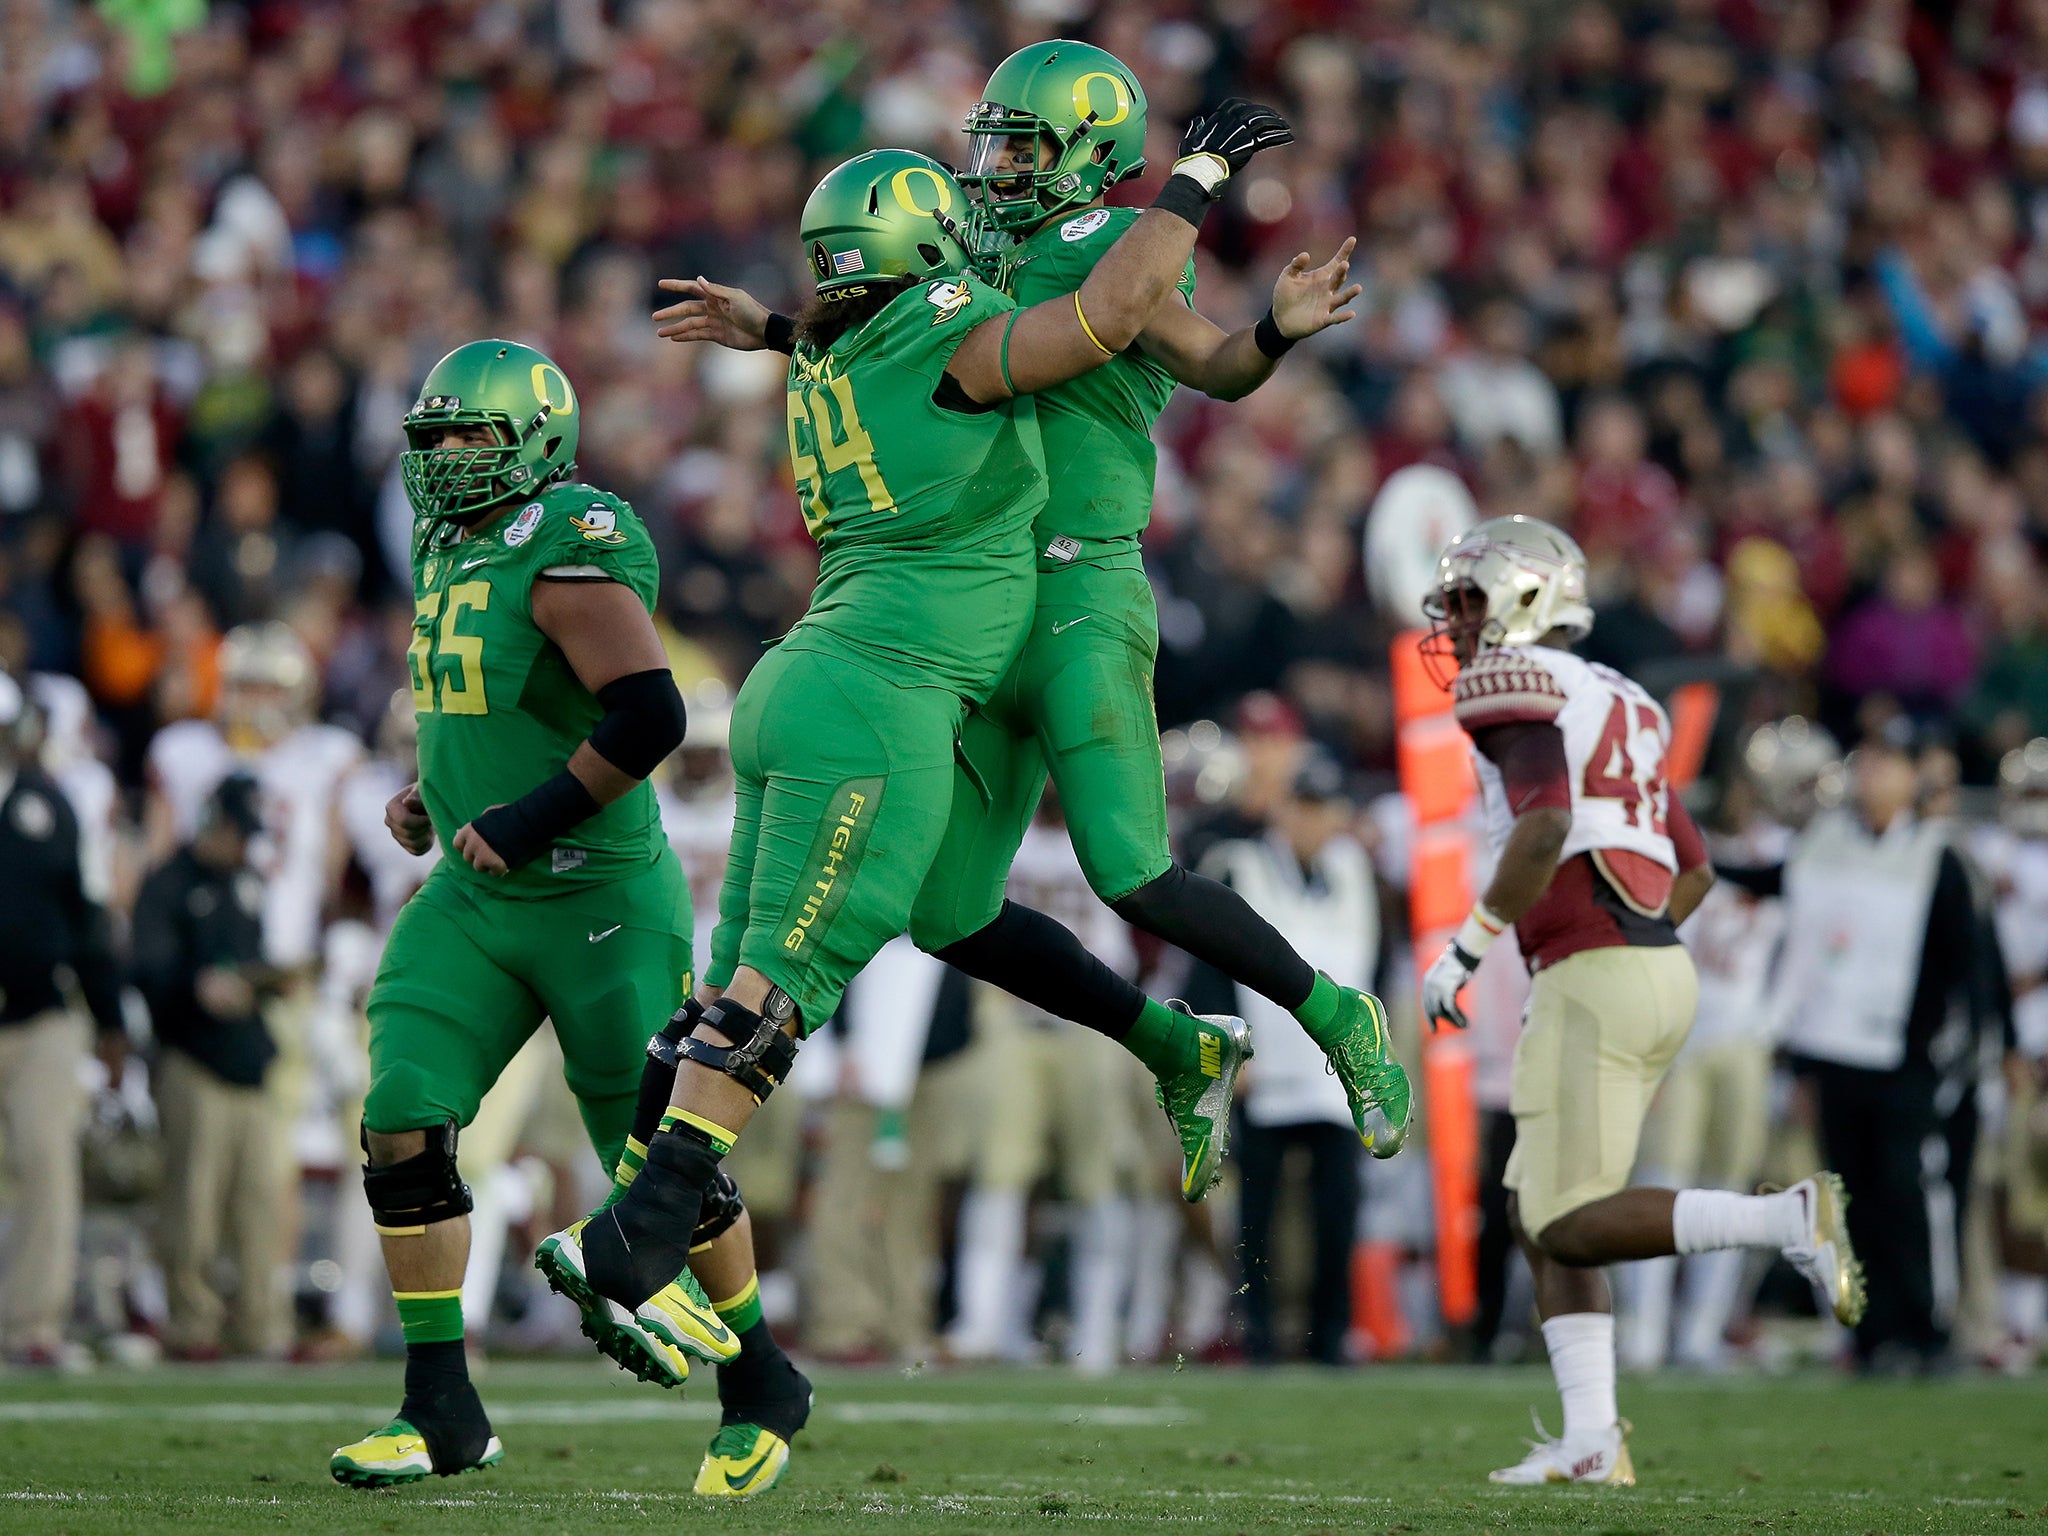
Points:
(643, 721)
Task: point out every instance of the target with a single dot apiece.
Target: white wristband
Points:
(1207, 170)
(1481, 928)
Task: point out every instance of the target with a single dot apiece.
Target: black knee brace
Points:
(663, 1046)
(409, 1196)
(761, 1055)
(722, 1207)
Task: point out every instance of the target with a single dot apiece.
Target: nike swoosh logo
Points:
(737, 1483)
(1063, 627)
(470, 565)
(598, 938)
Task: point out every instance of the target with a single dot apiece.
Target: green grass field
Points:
(1390, 1450)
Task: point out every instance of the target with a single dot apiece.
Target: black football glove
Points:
(1217, 146)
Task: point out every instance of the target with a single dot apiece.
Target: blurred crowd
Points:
(1743, 292)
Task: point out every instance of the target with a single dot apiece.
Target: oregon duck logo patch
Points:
(948, 299)
(599, 524)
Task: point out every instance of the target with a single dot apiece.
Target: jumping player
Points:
(1060, 123)
(920, 472)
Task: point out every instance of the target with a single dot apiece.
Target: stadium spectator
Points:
(199, 965)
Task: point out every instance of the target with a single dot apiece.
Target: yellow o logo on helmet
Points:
(542, 373)
(900, 185)
(1121, 92)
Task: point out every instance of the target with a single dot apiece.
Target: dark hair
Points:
(828, 317)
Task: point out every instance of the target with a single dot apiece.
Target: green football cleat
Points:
(1375, 1083)
(744, 1459)
(396, 1454)
(1197, 1099)
(656, 1340)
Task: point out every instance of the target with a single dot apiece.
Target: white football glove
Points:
(1442, 984)
(1454, 967)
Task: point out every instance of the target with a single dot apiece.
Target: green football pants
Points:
(468, 976)
(1078, 702)
(845, 784)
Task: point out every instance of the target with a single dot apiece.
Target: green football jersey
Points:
(923, 515)
(1097, 429)
(499, 708)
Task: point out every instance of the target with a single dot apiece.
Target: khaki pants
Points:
(1057, 1108)
(873, 1233)
(1603, 1026)
(1711, 1123)
(41, 1111)
(225, 1166)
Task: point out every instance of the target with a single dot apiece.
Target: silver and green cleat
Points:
(1376, 1084)
(1197, 1098)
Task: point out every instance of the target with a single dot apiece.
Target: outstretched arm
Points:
(1063, 338)
(710, 311)
(1228, 365)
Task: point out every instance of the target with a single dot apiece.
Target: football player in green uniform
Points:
(1061, 122)
(544, 701)
(918, 465)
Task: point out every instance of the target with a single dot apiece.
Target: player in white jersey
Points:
(1597, 862)
(1710, 1124)
(264, 726)
(697, 801)
(2014, 855)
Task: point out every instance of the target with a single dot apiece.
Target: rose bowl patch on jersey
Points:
(1084, 226)
(523, 525)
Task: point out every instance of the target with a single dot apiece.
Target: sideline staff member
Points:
(53, 940)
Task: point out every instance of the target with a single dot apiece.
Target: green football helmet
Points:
(888, 213)
(1082, 100)
(522, 397)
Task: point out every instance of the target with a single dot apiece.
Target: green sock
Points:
(1165, 1041)
(1318, 1011)
(430, 1317)
(632, 1158)
(741, 1312)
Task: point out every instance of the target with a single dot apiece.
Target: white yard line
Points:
(623, 1410)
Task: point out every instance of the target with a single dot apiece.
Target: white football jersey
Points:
(393, 873)
(1734, 938)
(1616, 738)
(299, 779)
(700, 831)
(2018, 870)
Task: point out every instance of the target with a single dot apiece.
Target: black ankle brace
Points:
(443, 1406)
(639, 1245)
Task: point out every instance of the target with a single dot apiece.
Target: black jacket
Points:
(50, 927)
(188, 917)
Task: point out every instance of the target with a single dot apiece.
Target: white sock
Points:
(1645, 1335)
(1101, 1250)
(991, 1253)
(1581, 1348)
(1703, 1220)
(2024, 1303)
(1713, 1282)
